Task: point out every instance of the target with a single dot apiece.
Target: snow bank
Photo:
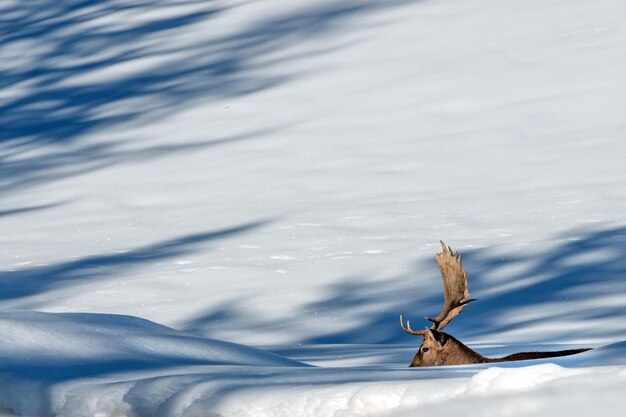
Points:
(541, 390)
(88, 344)
(108, 365)
(45, 357)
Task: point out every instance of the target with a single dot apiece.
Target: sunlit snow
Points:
(220, 208)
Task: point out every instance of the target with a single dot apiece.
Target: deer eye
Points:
(425, 349)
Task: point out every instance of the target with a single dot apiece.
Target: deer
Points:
(441, 349)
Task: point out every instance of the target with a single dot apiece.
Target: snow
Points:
(269, 180)
(81, 364)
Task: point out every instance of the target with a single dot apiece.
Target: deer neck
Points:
(456, 353)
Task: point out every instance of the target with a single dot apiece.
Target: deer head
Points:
(439, 348)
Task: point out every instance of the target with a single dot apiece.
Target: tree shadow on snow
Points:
(71, 68)
(565, 294)
(575, 290)
(562, 294)
(26, 282)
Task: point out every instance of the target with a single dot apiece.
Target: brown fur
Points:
(443, 349)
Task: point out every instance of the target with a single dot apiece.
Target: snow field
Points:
(278, 174)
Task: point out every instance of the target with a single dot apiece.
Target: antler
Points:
(408, 329)
(456, 294)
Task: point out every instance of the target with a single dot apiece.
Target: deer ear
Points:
(438, 337)
(430, 335)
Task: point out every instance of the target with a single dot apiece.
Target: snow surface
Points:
(274, 176)
(78, 364)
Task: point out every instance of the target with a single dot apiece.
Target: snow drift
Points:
(96, 364)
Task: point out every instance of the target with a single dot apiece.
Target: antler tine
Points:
(408, 329)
